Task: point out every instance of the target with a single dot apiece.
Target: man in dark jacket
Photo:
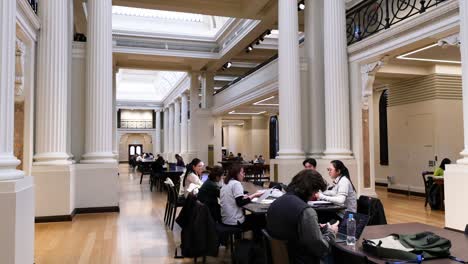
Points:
(290, 218)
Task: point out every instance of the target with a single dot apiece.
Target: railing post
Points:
(387, 15)
(423, 6)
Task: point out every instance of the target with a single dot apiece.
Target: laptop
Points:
(361, 222)
(204, 177)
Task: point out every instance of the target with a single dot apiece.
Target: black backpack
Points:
(434, 197)
(249, 252)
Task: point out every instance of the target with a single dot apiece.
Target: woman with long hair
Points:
(342, 192)
(440, 171)
(233, 198)
(210, 191)
(192, 176)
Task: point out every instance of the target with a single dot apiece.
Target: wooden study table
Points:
(459, 240)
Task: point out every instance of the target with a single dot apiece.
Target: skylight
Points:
(146, 86)
(150, 21)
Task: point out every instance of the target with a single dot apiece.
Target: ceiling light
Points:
(249, 48)
(257, 42)
(301, 6)
(228, 65)
(233, 112)
(264, 100)
(405, 56)
(268, 32)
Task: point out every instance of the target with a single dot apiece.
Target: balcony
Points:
(136, 124)
(33, 4)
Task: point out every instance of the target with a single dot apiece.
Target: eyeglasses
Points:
(329, 169)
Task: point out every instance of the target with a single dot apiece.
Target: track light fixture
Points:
(301, 6)
(249, 49)
(227, 65)
(258, 40)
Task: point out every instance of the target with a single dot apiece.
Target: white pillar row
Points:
(8, 161)
(171, 131)
(290, 145)
(166, 130)
(194, 106)
(337, 124)
(207, 89)
(464, 59)
(314, 50)
(52, 84)
(157, 139)
(177, 126)
(184, 124)
(98, 139)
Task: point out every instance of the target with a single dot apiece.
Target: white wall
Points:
(136, 115)
(416, 133)
(127, 139)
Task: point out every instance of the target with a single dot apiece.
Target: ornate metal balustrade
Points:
(372, 16)
(33, 4)
(136, 124)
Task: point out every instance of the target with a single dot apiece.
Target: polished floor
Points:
(138, 233)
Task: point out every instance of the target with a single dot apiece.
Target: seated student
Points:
(209, 192)
(290, 218)
(232, 200)
(192, 177)
(342, 191)
(260, 160)
(239, 157)
(179, 160)
(309, 164)
(255, 161)
(440, 171)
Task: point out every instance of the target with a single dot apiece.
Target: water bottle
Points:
(351, 231)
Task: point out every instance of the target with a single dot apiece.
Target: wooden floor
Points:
(138, 235)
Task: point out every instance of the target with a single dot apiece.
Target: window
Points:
(383, 130)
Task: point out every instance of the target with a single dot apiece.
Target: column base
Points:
(455, 186)
(98, 158)
(337, 154)
(463, 160)
(17, 228)
(8, 169)
(52, 158)
(97, 185)
(55, 190)
(291, 154)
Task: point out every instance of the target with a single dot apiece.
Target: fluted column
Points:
(8, 161)
(207, 89)
(177, 126)
(52, 84)
(166, 130)
(290, 145)
(337, 125)
(98, 141)
(157, 140)
(314, 50)
(464, 62)
(194, 106)
(115, 139)
(184, 124)
(171, 130)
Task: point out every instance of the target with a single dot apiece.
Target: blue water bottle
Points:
(351, 231)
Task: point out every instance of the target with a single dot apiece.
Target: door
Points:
(135, 149)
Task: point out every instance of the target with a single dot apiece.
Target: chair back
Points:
(342, 254)
(427, 182)
(466, 230)
(276, 251)
(373, 208)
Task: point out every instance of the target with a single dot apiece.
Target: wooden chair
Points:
(276, 251)
(427, 184)
(342, 254)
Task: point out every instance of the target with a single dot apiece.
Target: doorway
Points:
(135, 149)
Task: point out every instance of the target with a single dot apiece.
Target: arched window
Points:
(274, 141)
(383, 130)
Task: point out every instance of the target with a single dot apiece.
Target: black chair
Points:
(173, 202)
(229, 234)
(427, 184)
(145, 169)
(373, 208)
(276, 251)
(466, 230)
(342, 254)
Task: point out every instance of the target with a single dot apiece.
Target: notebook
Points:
(361, 222)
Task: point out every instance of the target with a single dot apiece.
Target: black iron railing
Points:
(33, 4)
(372, 16)
(136, 124)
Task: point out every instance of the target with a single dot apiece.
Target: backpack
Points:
(425, 245)
(249, 252)
(434, 197)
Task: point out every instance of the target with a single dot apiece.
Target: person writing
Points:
(440, 171)
(290, 218)
(342, 192)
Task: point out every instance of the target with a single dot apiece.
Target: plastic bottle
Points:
(351, 231)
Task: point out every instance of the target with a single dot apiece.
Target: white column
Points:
(8, 161)
(115, 139)
(52, 84)
(207, 89)
(194, 106)
(98, 140)
(184, 124)
(464, 59)
(177, 126)
(289, 82)
(157, 139)
(171, 130)
(166, 130)
(337, 116)
(314, 50)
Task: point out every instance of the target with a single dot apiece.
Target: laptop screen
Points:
(204, 177)
(361, 222)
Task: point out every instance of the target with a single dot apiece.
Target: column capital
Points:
(453, 40)
(368, 72)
